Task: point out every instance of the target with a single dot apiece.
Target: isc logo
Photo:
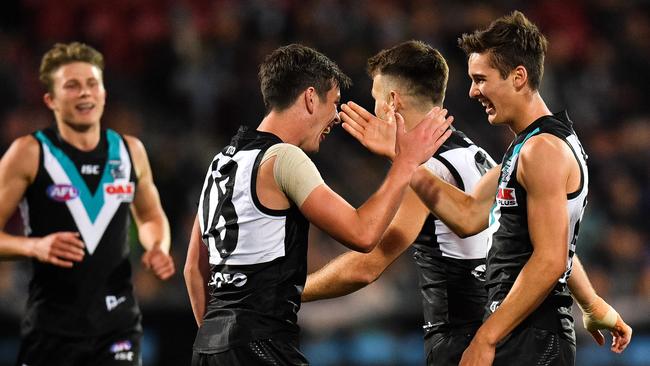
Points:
(62, 192)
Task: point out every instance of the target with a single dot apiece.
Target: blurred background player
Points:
(247, 257)
(411, 79)
(75, 183)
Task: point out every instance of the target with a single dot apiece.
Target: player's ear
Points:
(310, 96)
(520, 77)
(48, 99)
(395, 101)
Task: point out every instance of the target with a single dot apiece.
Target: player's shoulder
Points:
(25, 146)
(544, 146)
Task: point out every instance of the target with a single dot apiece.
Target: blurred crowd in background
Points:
(182, 76)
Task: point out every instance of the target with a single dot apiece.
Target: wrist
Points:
(485, 335)
(30, 248)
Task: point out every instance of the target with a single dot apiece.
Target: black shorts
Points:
(39, 348)
(446, 348)
(534, 346)
(259, 352)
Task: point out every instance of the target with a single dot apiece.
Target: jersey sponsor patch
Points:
(506, 197)
(479, 272)
(121, 351)
(62, 192)
(222, 279)
(122, 191)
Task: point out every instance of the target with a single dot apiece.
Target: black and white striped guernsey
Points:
(510, 245)
(258, 256)
(451, 269)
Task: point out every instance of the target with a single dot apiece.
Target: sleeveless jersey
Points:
(90, 193)
(451, 269)
(510, 246)
(258, 256)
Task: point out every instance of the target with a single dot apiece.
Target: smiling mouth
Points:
(489, 107)
(85, 107)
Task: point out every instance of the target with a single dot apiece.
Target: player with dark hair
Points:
(246, 262)
(534, 216)
(411, 79)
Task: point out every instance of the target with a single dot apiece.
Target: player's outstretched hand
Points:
(60, 249)
(158, 262)
(421, 142)
(601, 316)
(376, 134)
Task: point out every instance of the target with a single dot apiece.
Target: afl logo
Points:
(62, 192)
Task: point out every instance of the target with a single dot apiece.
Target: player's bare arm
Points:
(465, 214)
(546, 166)
(597, 314)
(353, 271)
(153, 226)
(197, 273)
(18, 169)
(360, 229)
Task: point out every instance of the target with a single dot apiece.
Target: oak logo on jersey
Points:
(506, 197)
(123, 191)
(62, 192)
(222, 279)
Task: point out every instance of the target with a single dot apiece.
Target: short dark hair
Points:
(511, 40)
(420, 65)
(64, 53)
(290, 69)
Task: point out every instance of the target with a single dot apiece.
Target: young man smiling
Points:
(77, 183)
(246, 262)
(534, 216)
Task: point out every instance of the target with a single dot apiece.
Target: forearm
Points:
(532, 286)
(15, 247)
(197, 291)
(155, 232)
(342, 276)
(579, 284)
(376, 213)
(463, 214)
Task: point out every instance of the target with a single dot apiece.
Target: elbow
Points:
(190, 270)
(364, 278)
(364, 243)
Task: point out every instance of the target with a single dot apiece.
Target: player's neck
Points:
(84, 138)
(413, 116)
(282, 125)
(531, 110)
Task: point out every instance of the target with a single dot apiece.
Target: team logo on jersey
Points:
(222, 279)
(479, 272)
(113, 301)
(122, 191)
(494, 306)
(62, 192)
(122, 350)
(506, 197)
(116, 168)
